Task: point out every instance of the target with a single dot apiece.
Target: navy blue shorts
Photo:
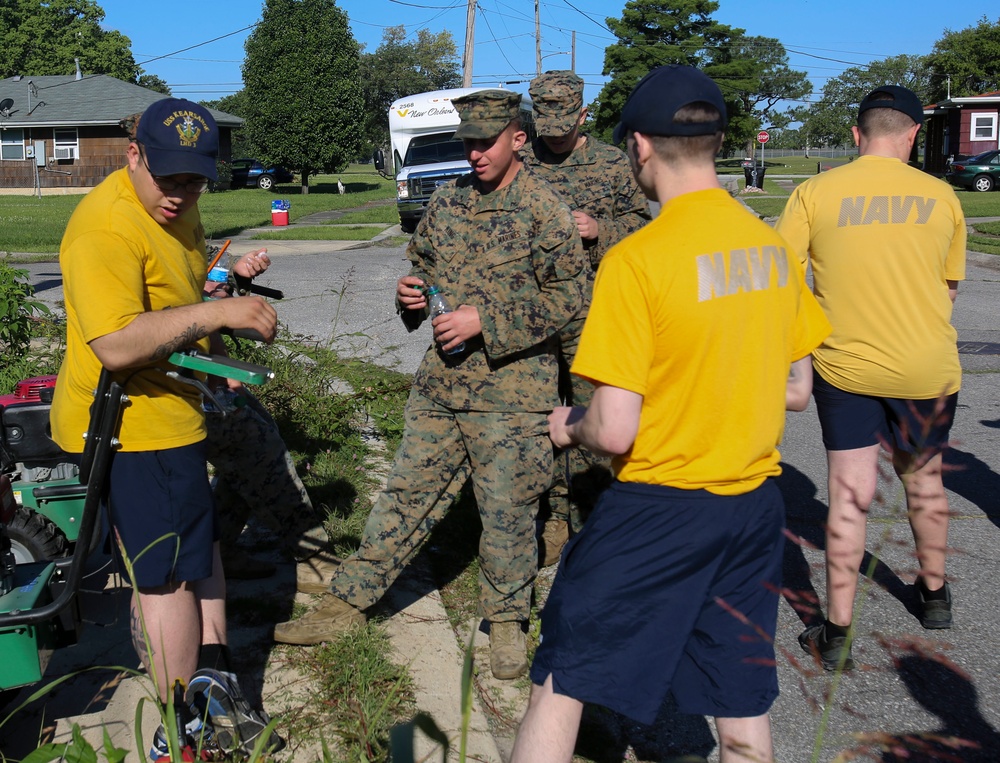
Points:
(646, 600)
(163, 511)
(850, 421)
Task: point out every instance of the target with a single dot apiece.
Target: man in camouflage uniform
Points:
(595, 180)
(504, 250)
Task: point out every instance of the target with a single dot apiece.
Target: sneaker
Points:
(237, 564)
(313, 575)
(331, 618)
(508, 651)
(197, 735)
(555, 536)
(935, 614)
(830, 653)
(217, 696)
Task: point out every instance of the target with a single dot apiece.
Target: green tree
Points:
(302, 97)
(233, 104)
(754, 76)
(39, 37)
(786, 138)
(829, 121)
(651, 33)
(398, 68)
(966, 62)
(153, 82)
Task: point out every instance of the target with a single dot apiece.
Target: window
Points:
(67, 144)
(984, 126)
(12, 144)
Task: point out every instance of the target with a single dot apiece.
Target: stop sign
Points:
(763, 137)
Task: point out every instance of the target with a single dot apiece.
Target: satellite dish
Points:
(5, 105)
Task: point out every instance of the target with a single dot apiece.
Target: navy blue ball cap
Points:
(653, 103)
(179, 137)
(894, 97)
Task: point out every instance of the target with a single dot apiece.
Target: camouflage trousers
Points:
(580, 476)
(255, 475)
(509, 458)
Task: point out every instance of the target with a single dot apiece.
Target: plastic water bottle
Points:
(437, 305)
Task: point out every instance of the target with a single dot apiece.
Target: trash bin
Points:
(754, 175)
(279, 212)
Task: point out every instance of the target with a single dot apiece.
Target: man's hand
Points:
(586, 225)
(451, 329)
(561, 422)
(409, 294)
(252, 264)
(250, 313)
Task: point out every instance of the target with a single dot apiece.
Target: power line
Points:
(601, 24)
(198, 45)
(499, 47)
(425, 7)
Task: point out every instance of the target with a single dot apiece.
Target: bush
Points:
(17, 311)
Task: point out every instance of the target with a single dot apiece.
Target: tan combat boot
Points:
(330, 618)
(508, 651)
(313, 575)
(555, 536)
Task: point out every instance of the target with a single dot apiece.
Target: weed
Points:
(359, 692)
(17, 310)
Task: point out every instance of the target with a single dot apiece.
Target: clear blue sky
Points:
(823, 37)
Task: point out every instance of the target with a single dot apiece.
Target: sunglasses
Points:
(168, 184)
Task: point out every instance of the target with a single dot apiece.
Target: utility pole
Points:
(572, 59)
(470, 39)
(538, 41)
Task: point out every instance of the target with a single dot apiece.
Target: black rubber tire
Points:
(265, 182)
(33, 538)
(408, 225)
(983, 183)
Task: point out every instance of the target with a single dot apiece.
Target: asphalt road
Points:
(911, 681)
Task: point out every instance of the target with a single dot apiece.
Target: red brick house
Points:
(960, 127)
(64, 132)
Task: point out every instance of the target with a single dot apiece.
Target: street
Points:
(909, 681)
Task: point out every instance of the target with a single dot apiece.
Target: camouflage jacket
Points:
(596, 179)
(515, 255)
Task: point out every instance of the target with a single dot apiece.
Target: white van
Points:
(425, 153)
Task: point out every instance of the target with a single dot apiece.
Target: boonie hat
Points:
(899, 98)
(557, 98)
(653, 103)
(179, 137)
(486, 113)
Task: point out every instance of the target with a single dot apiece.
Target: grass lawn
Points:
(977, 204)
(764, 207)
(782, 165)
(974, 204)
(382, 213)
(986, 238)
(30, 224)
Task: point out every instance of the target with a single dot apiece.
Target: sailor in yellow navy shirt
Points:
(697, 340)
(887, 247)
(133, 264)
